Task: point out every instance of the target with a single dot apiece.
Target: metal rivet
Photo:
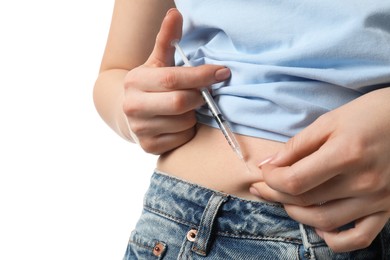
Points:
(158, 249)
(191, 235)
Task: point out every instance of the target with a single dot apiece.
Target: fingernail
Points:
(254, 192)
(169, 11)
(266, 160)
(222, 74)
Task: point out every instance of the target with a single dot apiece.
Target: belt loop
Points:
(202, 241)
(306, 240)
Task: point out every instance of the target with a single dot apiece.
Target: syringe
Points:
(219, 118)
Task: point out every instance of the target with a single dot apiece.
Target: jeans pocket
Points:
(141, 248)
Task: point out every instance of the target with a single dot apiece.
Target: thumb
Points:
(170, 30)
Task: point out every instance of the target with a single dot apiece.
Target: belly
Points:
(208, 160)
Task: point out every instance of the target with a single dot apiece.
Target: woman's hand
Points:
(337, 171)
(160, 99)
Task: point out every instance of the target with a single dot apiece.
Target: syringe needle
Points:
(222, 123)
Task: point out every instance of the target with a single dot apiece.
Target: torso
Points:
(284, 76)
(207, 160)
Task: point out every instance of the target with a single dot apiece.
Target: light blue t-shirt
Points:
(291, 60)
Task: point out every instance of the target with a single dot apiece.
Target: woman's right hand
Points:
(160, 99)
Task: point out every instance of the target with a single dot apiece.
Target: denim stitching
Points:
(278, 205)
(283, 239)
(163, 214)
(139, 244)
(225, 234)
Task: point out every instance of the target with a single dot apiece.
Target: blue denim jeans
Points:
(181, 220)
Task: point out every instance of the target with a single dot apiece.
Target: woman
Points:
(305, 87)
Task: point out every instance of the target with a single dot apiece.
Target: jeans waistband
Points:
(186, 203)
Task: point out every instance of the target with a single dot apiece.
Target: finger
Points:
(262, 190)
(164, 143)
(339, 187)
(162, 103)
(175, 78)
(163, 125)
(304, 143)
(358, 237)
(171, 29)
(334, 214)
(307, 173)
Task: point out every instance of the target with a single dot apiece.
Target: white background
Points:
(69, 187)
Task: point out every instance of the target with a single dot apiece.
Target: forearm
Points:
(133, 30)
(108, 95)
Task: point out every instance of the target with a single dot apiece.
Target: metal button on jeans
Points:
(191, 235)
(158, 249)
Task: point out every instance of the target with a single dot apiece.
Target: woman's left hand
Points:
(337, 171)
